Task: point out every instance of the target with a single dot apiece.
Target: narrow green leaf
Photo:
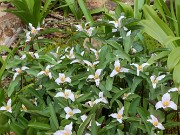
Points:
(53, 116)
(38, 125)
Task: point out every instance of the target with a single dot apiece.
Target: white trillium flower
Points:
(174, 89)
(166, 102)
(96, 52)
(67, 130)
(140, 67)
(118, 115)
(66, 94)
(34, 55)
(71, 54)
(34, 101)
(90, 64)
(118, 69)
(101, 99)
(155, 80)
(79, 27)
(23, 57)
(7, 107)
(70, 112)
(46, 71)
(96, 76)
(62, 79)
(155, 122)
(34, 30)
(84, 117)
(91, 103)
(125, 95)
(19, 71)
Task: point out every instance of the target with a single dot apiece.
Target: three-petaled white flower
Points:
(96, 76)
(174, 89)
(88, 30)
(118, 115)
(166, 102)
(19, 71)
(118, 24)
(96, 52)
(84, 117)
(155, 80)
(67, 130)
(34, 30)
(140, 67)
(118, 69)
(62, 79)
(91, 103)
(70, 112)
(71, 54)
(155, 122)
(101, 99)
(66, 94)
(7, 107)
(46, 71)
(90, 64)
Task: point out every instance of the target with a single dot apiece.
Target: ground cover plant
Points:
(104, 82)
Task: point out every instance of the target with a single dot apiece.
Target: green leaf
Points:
(53, 116)
(176, 74)
(12, 86)
(17, 129)
(171, 124)
(84, 125)
(109, 83)
(93, 125)
(173, 58)
(27, 103)
(38, 125)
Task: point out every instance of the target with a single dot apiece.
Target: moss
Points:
(151, 43)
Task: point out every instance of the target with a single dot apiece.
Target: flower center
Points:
(8, 107)
(66, 94)
(34, 31)
(63, 79)
(19, 71)
(118, 69)
(96, 77)
(155, 123)
(119, 116)
(179, 89)
(71, 113)
(46, 71)
(66, 133)
(166, 103)
(155, 81)
(140, 68)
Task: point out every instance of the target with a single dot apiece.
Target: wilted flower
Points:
(118, 69)
(66, 94)
(70, 112)
(101, 98)
(19, 71)
(96, 52)
(140, 67)
(34, 101)
(24, 108)
(96, 76)
(67, 130)
(7, 107)
(166, 102)
(91, 64)
(155, 80)
(118, 24)
(84, 117)
(118, 115)
(126, 95)
(46, 72)
(62, 79)
(155, 122)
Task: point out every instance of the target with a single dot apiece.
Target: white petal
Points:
(173, 89)
(68, 116)
(159, 105)
(154, 85)
(36, 55)
(153, 118)
(74, 61)
(82, 53)
(153, 78)
(138, 72)
(119, 120)
(9, 102)
(71, 96)
(68, 127)
(145, 64)
(96, 62)
(59, 132)
(68, 80)
(114, 115)
(136, 65)
(160, 77)
(50, 75)
(3, 108)
(91, 76)
(160, 126)
(76, 111)
(24, 68)
(93, 50)
(114, 72)
(60, 94)
(67, 109)
(172, 105)
(40, 73)
(83, 117)
(98, 71)
(117, 63)
(166, 97)
(87, 62)
(121, 111)
(150, 120)
(15, 75)
(128, 33)
(23, 57)
(61, 75)
(97, 82)
(48, 67)
(125, 70)
(98, 100)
